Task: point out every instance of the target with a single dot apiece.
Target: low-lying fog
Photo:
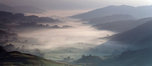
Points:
(75, 38)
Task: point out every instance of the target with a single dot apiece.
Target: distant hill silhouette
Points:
(137, 12)
(110, 19)
(138, 53)
(122, 25)
(139, 36)
(9, 20)
(20, 17)
(116, 18)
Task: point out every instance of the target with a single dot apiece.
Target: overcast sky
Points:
(74, 4)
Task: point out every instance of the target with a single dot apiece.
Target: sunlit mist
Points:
(67, 37)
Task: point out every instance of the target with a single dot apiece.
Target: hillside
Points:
(132, 58)
(21, 22)
(139, 36)
(16, 58)
(110, 19)
(138, 52)
(122, 25)
(90, 60)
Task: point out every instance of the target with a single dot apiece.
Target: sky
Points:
(75, 6)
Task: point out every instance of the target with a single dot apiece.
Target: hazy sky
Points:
(74, 4)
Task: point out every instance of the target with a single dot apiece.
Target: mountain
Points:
(19, 21)
(21, 18)
(137, 57)
(137, 12)
(117, 18)
(133, 47)
(121, 26)
(16, 58)
(118, 26)
(110, 19)
(140, 57)
(132, 58)
(139, 36)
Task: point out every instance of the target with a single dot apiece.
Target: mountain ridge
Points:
(138, 12)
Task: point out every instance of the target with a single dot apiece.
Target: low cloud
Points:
(67, 37)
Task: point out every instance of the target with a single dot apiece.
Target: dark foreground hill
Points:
(16, 58)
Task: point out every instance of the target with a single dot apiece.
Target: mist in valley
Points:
(73, 33)
(73, 40)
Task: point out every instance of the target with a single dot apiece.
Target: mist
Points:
(57, 42)
(75, 32)
(67, 37)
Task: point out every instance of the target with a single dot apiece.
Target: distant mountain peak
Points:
(113, 6)
(138, 12)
